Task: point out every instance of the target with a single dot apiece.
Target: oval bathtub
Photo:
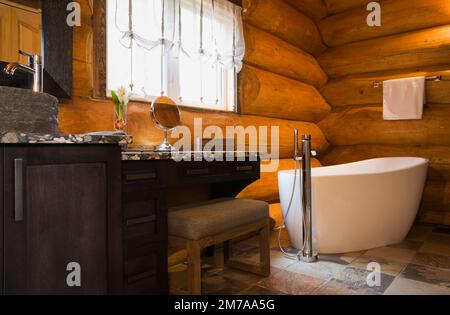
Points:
(357, 206)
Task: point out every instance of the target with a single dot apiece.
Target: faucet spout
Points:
(34, 68)
(11, 68)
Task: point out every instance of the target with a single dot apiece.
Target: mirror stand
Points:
(165, 146)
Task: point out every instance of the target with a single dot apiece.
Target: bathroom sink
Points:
(24, 111)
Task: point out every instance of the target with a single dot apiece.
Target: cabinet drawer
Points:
(141, 229)
(214, 172)
(247, 168)
(144, 212)
(141, 209)
(146, 269)
(140, 266)
(148, 174)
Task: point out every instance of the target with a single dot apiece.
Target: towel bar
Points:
(435, 78)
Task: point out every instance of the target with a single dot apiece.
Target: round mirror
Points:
(166, 116)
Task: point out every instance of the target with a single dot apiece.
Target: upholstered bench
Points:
(216, 222)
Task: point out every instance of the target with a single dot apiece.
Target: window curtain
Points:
(206, 30)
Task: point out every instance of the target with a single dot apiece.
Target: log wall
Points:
(281, 75)
(412, 41)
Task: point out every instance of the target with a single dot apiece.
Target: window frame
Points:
(99, 64)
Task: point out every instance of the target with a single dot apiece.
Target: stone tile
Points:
(427, 274)
(219, 284)
(432, 260)
(402, 286)
(242, 276)
(437, 244)
(391, 254)
(343, 259)
(245, 252)
(321, 269)
(278, 260)
(389, 267)
(420, 233)
(285, 241)
(258, 290)
(409, 244)
(292, 283)
(356, 279)
(335, 287)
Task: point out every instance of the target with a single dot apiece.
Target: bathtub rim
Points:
(423, 161)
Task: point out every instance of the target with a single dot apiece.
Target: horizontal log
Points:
(398, 16)
(430, 47)
(439, 156)
(338, 6)
(82, 115)
(314, 9)
(436, 196)
(266, 94)
(434, 217)
(286, 128)
(365, 125)
(266, 188)
(359, 90)
(435, 207)
(270, 53)
(284, 21)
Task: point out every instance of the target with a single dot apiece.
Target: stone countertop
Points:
(190, 156)
(25, 138)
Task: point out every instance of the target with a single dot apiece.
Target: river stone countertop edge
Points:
(27, 138)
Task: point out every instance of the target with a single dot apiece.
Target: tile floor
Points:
(420, 265)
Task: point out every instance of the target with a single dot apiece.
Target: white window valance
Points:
(210, 31)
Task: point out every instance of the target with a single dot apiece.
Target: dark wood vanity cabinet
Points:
(149, 189)
(65, 204)
(61, 205)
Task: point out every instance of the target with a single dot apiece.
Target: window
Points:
(190, 50)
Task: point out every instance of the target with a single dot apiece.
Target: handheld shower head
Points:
(296, 144)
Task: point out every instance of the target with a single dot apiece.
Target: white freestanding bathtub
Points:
(357, 206)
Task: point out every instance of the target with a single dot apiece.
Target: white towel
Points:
(403, 99)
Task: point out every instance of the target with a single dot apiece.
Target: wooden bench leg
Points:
(264, 253)
(227, 251)
(264, 249)
(194, 268)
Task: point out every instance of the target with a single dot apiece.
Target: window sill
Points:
(182, 107)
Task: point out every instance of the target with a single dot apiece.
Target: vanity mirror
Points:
(37, 27)
(166, 116)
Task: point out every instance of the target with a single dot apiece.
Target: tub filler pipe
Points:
(306, 253)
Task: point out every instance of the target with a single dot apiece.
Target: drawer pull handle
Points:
(198, 172)
(143, 220)
(244, 168)
(143, 176)
(18, 190)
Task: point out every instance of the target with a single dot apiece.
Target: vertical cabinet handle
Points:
(18, 190)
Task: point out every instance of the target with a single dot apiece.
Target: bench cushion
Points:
(215, 217)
